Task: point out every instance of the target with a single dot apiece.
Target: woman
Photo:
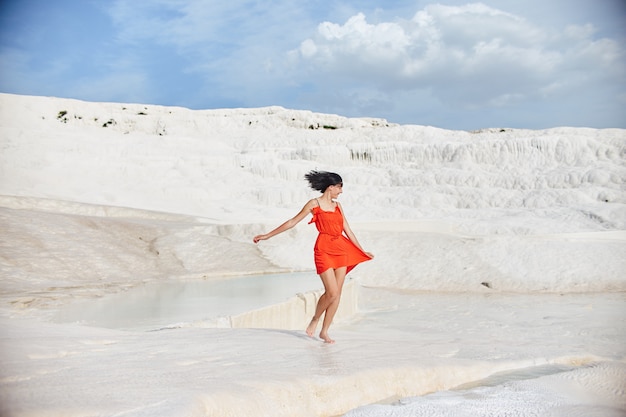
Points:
(336, 254)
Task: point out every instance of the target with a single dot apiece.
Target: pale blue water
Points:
(168, 304)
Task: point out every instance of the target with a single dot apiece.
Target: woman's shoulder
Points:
(312, 203)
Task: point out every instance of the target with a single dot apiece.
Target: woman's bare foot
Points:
(324, 336)
(312, 326)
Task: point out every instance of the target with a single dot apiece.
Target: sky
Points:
(451, 64)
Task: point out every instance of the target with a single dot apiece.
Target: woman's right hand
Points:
(259, 237)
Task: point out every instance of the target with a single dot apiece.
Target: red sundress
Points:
(332, 248)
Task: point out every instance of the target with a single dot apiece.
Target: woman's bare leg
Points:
(316, 317)
(331, 292)
(339, 275)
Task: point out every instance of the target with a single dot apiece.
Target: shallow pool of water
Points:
(172, 304)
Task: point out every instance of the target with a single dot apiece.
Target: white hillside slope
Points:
(519, 209)
(243, 163)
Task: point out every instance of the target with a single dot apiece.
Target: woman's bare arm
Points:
(350, 234)
(289, 223)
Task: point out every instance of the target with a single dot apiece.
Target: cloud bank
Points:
(467, 57)
(458, 65)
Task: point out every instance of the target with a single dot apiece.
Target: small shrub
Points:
(62, 116)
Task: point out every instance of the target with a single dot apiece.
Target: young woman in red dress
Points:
(337, 250)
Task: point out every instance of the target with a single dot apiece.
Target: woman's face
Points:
(335, 190)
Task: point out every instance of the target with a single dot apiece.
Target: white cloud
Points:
(467, 56)
(236, 47)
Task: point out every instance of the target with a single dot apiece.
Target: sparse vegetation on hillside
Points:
(317, 126)
(62, 116)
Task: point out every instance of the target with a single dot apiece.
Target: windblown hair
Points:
(321, 180)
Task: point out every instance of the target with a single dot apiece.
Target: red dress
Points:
(332, 248)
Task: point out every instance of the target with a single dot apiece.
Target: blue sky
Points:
(452, 64)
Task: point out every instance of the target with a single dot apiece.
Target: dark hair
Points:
(321, 180)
